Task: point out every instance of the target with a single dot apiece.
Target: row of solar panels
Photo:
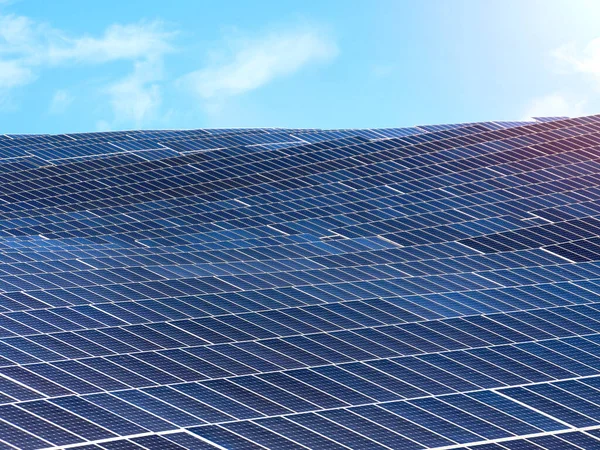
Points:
(233, 293)
(510, 335)
(422, 423)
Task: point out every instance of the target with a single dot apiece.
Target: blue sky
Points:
(69, 66)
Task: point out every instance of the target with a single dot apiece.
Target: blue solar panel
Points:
(403, 288)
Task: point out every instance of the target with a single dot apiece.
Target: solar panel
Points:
(433, 287)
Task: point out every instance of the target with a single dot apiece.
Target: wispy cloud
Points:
(555, 105)
(247, 63)
(137, 97)
(61, 100)
(571, 59)
(38, 44)
(584, 60)
(144, 40)
(13, 74)
(15, 47)
(28, 47)
(241, 63)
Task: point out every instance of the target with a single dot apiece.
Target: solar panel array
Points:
(414, 288)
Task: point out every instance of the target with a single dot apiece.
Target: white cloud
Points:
(14, 37)
(38, 44)
(253, 62)
(555, 105)
(61, 100)
(28, 47)
(586, 60)
(103, 125)
(17, 34)
(571, 59)
(14, 73)
(137, 97)
(120, 42)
